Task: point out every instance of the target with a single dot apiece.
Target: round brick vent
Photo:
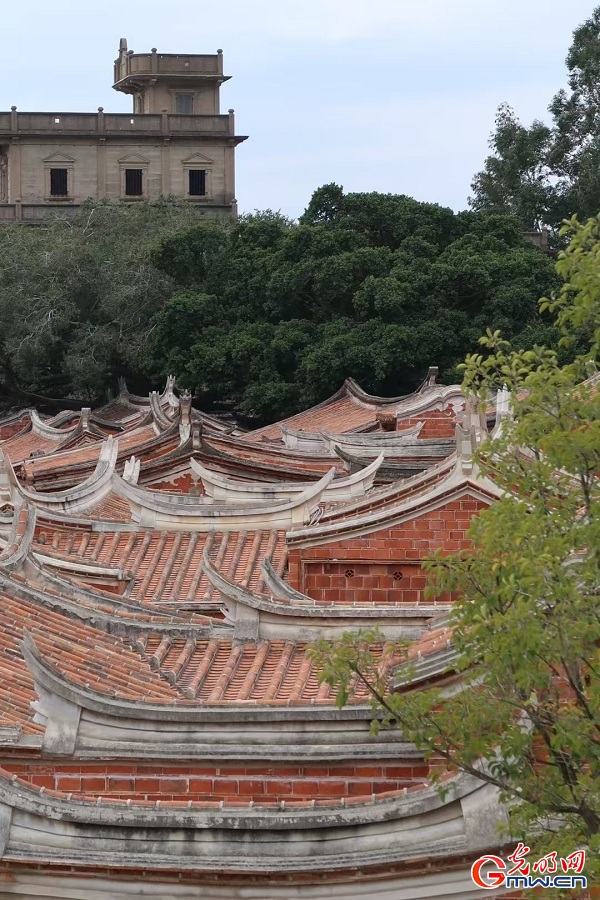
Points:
(349, 573)
(398, 576)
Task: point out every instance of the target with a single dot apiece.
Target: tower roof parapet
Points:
(133, 70)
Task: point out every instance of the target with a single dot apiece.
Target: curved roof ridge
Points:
(157, 509)
(50, 432)
(317, 618)
(419, 481)
(355, 391)
(420, 798)
(223, 488)
(456, 483)
(81, 495)
(20, 538)
(121, 620)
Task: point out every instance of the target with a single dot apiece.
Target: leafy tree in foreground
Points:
(527, 628)
(273, 316)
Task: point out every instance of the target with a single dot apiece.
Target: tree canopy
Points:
(263, 314)
(527, 626)
(546, 173)
(273, 316)
(77, 297)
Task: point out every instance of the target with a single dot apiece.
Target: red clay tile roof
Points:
(22, 446)
(206, 672)
(129, 442)
(339, 416)
(84, 653)
(167, 566)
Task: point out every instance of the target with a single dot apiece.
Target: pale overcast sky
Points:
(389, 95)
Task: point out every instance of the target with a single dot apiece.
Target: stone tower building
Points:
(175, 142)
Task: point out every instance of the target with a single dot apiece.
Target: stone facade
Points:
(174, 143)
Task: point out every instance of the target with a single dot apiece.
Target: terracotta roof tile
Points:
(23, 446)
(339, 416)
(128, 443)
(167, 566)
(214, 672)
(85, 654)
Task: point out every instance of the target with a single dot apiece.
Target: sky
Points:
(397, 96)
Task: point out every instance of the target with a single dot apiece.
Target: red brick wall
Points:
(355, 581)
(223, 782)
(437, 424)
(12, 428)
(386, 565)
(182, 484)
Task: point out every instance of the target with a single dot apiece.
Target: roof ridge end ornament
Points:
(169, 392)
(474, 417)
(503, 409)
(131, 470)
(430, 380)
(466, 442)
(5, 481)
(185, 416)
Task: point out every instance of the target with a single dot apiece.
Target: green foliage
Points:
(546, 173)
(527, 629)
(274, 316)
(77, 297)
(516, 179)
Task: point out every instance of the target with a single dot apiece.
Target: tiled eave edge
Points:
(278, 450)
(18, 551)
(339, 395)
(59, 467)
(131, 625)
(179, 512)
(259, 617)
(80, 722)
(51, 680)
(455, 486)
(262, 466)
(88, 599)
(36, 828)
(420, 671)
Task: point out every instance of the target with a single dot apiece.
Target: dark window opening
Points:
(184, 104)
(133, 182)
(58, 183)
(197, 185)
